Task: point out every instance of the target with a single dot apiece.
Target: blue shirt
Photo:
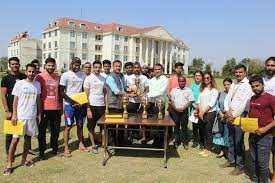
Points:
(196, 89)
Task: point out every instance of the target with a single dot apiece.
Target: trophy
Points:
(144, 104)
(159, 105)
(106, 104)
(138, 88)
(125, 102)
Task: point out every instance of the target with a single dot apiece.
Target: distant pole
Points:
(81, 13)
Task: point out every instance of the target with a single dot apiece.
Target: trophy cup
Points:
(138, 88)
(125, 102)
(159, 105)
(144, 104)
(106, 104)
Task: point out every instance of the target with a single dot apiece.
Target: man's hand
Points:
(201, 113)
(89, 113)
(14, 120)
(8, 115)
(38, 118)
(260, 131)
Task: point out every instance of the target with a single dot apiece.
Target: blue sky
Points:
(214, 29)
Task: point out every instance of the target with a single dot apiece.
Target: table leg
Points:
(106, 154)
(165, 146)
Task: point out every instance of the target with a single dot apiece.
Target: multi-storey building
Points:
(66, 38)
(25, 48)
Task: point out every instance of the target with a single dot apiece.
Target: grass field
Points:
(127, 166)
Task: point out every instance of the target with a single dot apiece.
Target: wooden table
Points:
(127, 124)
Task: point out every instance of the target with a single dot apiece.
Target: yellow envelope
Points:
(249, 124)
(13, 130)
(237, 121)
(80, 98)
(114, 120)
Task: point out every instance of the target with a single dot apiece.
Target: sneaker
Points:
(42, 156)
(236, 172)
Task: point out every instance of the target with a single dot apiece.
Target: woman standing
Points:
(220, 129)
(207, 112)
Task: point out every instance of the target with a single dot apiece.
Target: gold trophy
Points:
(144, 104)
(106, 103)
(159, 104)
(138, 88)
(125, 103)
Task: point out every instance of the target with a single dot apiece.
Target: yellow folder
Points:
(13, 130)
(80, 98)
(247, 124)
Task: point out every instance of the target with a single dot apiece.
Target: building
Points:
(66, 38)
(25, 48)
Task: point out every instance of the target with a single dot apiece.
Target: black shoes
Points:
(227, 165)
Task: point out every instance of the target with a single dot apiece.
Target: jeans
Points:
(259, 147)
(181, 121)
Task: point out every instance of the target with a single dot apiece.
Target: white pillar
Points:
(152, 54)
(140, 50)
(186, 61)
(161, 52)
(170, 61)
(146, 52)
(166, 58)
(131, 49)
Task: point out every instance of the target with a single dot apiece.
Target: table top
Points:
(167, 121)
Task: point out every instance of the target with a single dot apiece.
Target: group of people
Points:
(38, 99)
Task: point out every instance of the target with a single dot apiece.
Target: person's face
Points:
(117, 67)
(137, 69)
(30, 73)
(145, 69)
(129, 69)
(182, 82)
(179, 70)
(270, 68)
(14, 66)
(257, 87)
(157, 70)
(97, 68)
(226, 86)
(198, 78)
(107, 68)
(240, 74)
(207, 79)
(87, 69)
(50, 67)
(76, 67)
(37, 66)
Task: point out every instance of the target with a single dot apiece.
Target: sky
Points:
(215, 30)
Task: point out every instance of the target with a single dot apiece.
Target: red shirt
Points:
(263, 108)
(49, 90)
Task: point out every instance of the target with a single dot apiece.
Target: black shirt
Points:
(8, 81)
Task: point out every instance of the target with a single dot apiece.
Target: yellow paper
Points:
(13, 130)
(113, 116)
(114, 120)
(236, 121)
(249, 124)
(80, 98)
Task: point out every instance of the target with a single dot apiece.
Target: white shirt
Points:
(95, 84)
(269, 85)
(181, 97)
(208, 98)
(27, 98)
(128, 79)
(142, 85)
(73, 82)
(158, 87)
(104, 74)
(238, 97)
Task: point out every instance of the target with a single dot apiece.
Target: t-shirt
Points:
(104, 74)
(95, 84)
(73, 82)
(27, 98)
(269, 85)
(208, 98)
(49, 90)
(263, 108)
(8, 81)
(181, 97)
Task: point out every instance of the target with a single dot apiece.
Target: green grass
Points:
(128, 166)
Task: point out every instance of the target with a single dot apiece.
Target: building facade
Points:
(66, 38)
(25, 48)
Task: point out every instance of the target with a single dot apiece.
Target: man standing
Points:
(173, 81)
(7, 84)
(71, 83)
(51, 107)
(128, 66)
(94, 88)
(37, 65)
(180, 99)
(262, 106)
(106, 68)
(235, 105)
(27, 109)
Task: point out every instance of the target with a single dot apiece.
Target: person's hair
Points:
(270, 58)
(16, 59)
(160, 65)
(108, 62)
(117, 61)
(76, 60)
(227, 80)
(97, 62)
(35, 61)
(255, 78)
(30, 65)
(240, 66)
(50, 60)
(181, 76)
(178, 64)
(128, 64)
(136, 63)
(198, 71)
(213, 82)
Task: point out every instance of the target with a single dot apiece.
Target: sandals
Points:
(67, 154)
(84, 149)
(7, 171)
(28, 164)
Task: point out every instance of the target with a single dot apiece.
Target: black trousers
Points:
(53, 118)
(97, 112)
(8, 142)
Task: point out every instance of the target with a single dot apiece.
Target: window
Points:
(55, 54)
(84, 35)
(50, 45)
(71, 24)
(137, 58)
(125, 39)
(98, 57)
(137, 49)
(72, 55)
(117, 57)
(125, 48)
(84, 56)
(84, 45)
(44, 55)
(82, 26)
(50, 34)
(98, 37)
(117, 47)
(55, 44)
(98, 47)
(44, 35)
(137, 40)
(44, 46)
(117, 37)
(125, 58)
(72, 34)
(55, 33)
(49, 55)
(72, 45)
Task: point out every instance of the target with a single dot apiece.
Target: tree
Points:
(254, 66)
(3, 64)
(228, 68)
(208, 68)
(197, 64)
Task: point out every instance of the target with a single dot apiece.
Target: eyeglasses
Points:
(206, 78)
